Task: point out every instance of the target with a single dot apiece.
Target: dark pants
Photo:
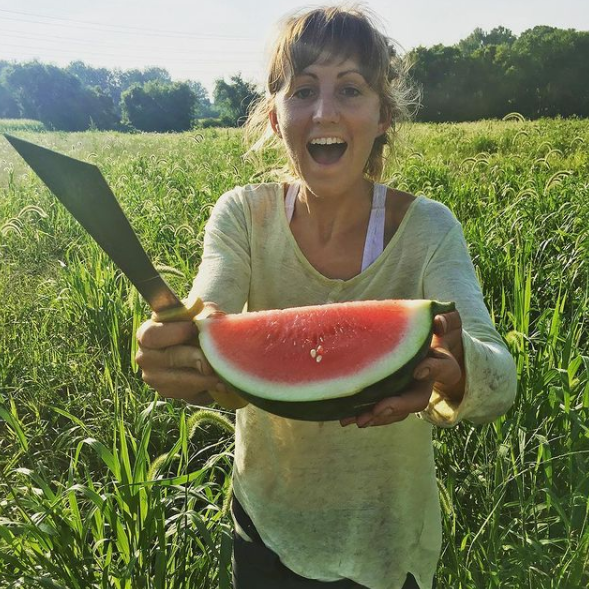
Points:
(256, 567)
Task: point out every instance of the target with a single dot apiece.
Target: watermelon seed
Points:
(313, 353)
(320, 349)
(319, 358)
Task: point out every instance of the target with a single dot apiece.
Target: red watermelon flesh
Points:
(316, 353)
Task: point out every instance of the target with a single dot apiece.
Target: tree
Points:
(479, 39)
(123, 80)
(9, 108)
(544, 72)
(548, 69)
(101, 109)
(3, 65)
(202, 104)
(234, 99)
(56, 98)
(158, 107)
(443, 73)
(90, 76)
(128, 78)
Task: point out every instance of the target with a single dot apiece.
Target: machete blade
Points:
(82, 189)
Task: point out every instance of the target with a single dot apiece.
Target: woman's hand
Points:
(171, 362)
(443, 366)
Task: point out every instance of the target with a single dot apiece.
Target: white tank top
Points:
(374, 236)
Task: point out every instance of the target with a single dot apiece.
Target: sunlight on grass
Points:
(102, 484)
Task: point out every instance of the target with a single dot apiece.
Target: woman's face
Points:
(328, 121)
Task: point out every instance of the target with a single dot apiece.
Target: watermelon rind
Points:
(337, 398)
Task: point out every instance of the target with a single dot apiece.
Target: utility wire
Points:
(56, 39)
(124, 30)
(100, 54)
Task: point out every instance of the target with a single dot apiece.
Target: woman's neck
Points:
(335, 212)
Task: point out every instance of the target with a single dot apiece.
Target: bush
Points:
(158, 107)
(12, 125)
(207, 123)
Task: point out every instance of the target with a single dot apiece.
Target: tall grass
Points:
(102, 484)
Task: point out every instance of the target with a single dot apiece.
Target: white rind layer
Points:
(417, 331)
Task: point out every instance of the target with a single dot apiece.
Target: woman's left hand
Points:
(443, 366)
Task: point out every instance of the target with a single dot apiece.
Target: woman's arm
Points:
(488, 369)
(168, 354)
(225, 270)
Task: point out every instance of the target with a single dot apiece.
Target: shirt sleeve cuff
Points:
(489, 391)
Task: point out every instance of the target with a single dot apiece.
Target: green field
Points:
(103, 484)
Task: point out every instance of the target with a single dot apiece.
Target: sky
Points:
(205, 40)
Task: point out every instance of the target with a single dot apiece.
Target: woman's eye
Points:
(350, 91)
(302, 93)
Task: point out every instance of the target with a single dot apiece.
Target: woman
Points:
(322, 503)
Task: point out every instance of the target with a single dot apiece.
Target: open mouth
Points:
(327, 154)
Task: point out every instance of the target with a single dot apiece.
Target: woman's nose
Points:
(326, 109)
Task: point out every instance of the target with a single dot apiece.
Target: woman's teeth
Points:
(326, 141)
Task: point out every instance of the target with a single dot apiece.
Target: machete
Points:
(82, 189)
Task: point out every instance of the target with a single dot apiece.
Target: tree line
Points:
(80, 97)
(542, 73)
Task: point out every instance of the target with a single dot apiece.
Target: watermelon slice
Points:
(321, 362)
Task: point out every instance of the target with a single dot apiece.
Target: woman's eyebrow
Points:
(352, 71)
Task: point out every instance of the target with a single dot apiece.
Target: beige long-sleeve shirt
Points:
(338, 502)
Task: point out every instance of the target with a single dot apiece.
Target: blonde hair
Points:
(308, 37)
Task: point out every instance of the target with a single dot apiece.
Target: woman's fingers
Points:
(447, 322)
(439, 366)
(211, 310)
(394, 409)
(171, 361)
(448, 333)
(413, 400)
(181, 383)
(156, 335)
(398, 408)
(178, 372)
(173, 357)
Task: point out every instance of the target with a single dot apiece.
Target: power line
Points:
(122, 56)
(54, 39)
(123, 29)
(142, 30)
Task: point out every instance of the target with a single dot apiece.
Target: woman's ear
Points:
(274, 123)
(384, 124)
(386, 118)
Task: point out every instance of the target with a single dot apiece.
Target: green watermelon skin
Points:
(350, 405)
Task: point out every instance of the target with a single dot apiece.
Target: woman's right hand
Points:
(172, 364)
